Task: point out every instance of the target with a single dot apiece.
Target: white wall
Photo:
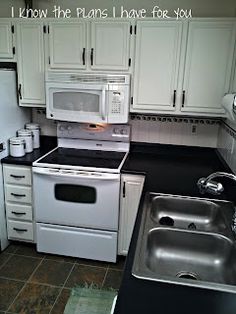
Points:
(200, 7)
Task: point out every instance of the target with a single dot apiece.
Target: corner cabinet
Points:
(18, 202)
(6, 39)
(31, 63)
(83, 45)
(209, 60)
(131, 190)
(186, 69)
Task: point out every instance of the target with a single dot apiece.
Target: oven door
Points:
(76, 102)
(80, 199)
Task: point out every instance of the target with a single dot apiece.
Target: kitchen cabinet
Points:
(156, 65)
(131, 190)
(110, 45)
(31, 63)
(67, 45)
(87, 45)
(186, 69)
(209, 60)
(18, 202)
(7, 50)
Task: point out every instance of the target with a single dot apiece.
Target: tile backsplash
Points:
(174, 130)
(227, 145)
(48, 127)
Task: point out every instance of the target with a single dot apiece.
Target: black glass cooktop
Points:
(84, 158)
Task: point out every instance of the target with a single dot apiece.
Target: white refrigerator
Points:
(12, 118)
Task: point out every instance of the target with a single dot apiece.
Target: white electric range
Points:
(76, 189)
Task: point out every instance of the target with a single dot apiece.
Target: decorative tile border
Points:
(152, 118)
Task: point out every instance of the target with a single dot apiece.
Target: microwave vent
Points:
(89, 78)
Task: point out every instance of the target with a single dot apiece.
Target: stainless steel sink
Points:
(191, 213)
(202, 257)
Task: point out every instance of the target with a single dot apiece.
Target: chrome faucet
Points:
(208, 185)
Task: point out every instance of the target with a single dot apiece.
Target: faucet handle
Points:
(210, 186)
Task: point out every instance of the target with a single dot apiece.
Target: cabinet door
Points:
(156, 65)
(131, 190)
(30, 56)
(6, 40)
(209, 60)
(110, 45)
(67, 45)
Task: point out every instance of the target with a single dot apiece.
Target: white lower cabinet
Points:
(131, 190)
(18, 202)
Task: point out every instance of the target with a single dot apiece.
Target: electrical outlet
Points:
(193, 129)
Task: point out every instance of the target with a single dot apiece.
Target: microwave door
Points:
(77, 104)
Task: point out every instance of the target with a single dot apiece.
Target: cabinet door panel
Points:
(208, 65)
(132, 186)
(156, 64)
(67, 45)
(110, 44)
(30, 48)
(6, 44)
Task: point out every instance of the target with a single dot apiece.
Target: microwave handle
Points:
(103, 109)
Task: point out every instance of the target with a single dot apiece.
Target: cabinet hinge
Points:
(14, 50)
(129, 62)
(135, 29)
(13, 29)
(131, 29)
(132, 100)
(123, 189)
(44, 29)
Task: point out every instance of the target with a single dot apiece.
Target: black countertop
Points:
(47, 143)
(172, 170)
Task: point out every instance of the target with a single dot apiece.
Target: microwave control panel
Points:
(117, 102)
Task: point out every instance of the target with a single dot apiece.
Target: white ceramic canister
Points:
(35, 128)
(17, 146)
(27, 135)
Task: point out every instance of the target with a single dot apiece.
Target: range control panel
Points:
(99, 132)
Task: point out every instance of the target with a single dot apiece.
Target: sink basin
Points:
(187, 241)
(191, 256)
(190, 213)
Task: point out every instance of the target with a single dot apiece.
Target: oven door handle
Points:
(102, 176)
(103, 105)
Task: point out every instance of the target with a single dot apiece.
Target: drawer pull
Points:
(17, 177)
(17, 213)
(18, 195)
(20, 230)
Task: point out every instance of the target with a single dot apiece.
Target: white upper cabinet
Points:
(67, 45)
(30, 58)
(156, 65)
(6, 40)
(110, 43)
(209, 59)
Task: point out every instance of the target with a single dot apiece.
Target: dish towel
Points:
(90, 300)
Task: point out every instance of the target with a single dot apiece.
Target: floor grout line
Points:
(105, 276)
(63, 286)
(4, 263)
(23, 286)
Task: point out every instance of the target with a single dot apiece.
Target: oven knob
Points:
(61, 128)
(69, 129)
(123, 132)
(116, 131)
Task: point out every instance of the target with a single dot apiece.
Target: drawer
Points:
(77, 242)
(19, 230)
(17, 175)
(18, 194)
(18, 211)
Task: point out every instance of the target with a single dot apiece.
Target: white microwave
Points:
(88, 98)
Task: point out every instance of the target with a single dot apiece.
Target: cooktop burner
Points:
(84, 158)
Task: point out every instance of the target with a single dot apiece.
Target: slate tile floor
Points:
(35, 283)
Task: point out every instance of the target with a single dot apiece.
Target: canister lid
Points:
(32, 126)
(24, 132)
(17, 140)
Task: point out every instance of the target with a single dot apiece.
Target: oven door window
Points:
(75, 193)
(83, 102)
